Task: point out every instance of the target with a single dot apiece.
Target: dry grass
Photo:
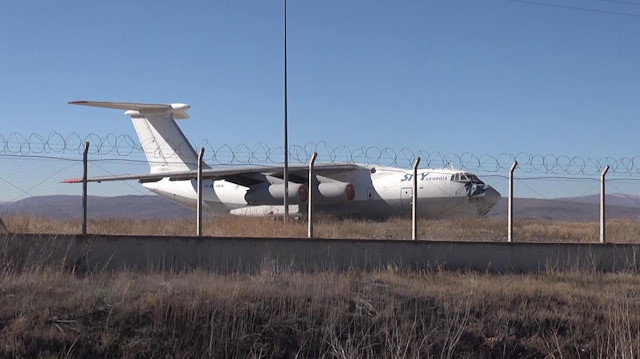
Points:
(49, 311)
(385, 314)
(458, 229)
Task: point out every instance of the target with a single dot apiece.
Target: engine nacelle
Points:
(331, 192)
(267, 193)
(275, 211)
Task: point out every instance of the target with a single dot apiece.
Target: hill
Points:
(586, 208)
(70, 207)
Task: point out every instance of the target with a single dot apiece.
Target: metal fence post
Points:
(3, 227)
(310, 199)
(602, 209)
(510, 209)
(199, 205)
(285, 171)
(84, 186)
(414, 202)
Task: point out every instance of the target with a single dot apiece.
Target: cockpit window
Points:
(466, 178)
(474, 179)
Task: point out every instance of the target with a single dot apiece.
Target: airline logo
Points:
(424, 176)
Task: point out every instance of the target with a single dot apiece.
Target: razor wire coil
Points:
(56, 144)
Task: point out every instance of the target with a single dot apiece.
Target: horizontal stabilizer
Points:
(179, 110)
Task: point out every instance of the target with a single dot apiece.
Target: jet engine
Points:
(332, 192)
(268, 193)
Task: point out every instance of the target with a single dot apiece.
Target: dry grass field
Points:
(385, 314)
(47, 311)
(458, 229)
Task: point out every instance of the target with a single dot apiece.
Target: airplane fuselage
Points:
(380, 192)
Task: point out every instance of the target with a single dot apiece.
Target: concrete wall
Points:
(224, 255)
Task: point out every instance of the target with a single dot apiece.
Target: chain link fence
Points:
(556, 196)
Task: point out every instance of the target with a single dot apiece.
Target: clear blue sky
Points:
(487, 77)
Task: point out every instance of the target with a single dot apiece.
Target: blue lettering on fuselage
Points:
(424, 177)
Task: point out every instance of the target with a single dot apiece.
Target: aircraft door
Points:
(405, 198)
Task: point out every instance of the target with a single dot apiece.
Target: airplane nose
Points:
(491, 197)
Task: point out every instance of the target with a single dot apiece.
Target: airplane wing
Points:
(244, 175)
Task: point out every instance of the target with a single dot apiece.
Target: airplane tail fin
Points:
(164, 144)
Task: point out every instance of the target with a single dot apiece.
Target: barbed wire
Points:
(15, 144)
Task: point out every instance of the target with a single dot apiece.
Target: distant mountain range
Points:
(585, 208)
(70, 207)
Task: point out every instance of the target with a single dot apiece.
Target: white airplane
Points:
(341, 189)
